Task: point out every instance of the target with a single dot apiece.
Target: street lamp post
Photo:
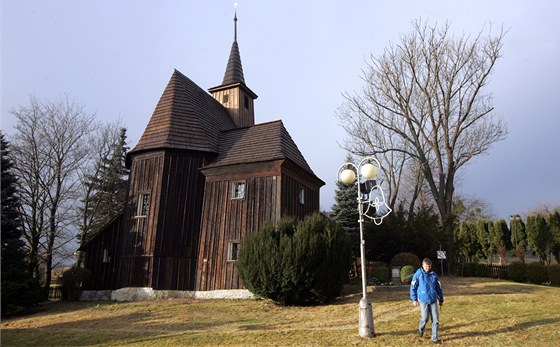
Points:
(370, 195)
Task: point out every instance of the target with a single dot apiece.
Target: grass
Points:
(477, 312)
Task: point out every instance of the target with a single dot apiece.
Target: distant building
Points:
(202, 176)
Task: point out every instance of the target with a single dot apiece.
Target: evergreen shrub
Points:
(503, 274)
(517, 271)
(469, 269)
(481, 270)
(554, 274)
(296, 263)
(72, 280)
(374, 265)
(383, 274)
(537, 273)
(406, 258)
(407, 272)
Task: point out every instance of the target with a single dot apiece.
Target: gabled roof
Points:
(104, 228)
(258, 143)
(186, 117)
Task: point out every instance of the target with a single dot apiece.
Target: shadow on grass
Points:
(137, 327)
(450, 335)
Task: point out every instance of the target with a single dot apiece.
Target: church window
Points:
(238, 190)
(106, 255)
(143, 205)
(233, 250)
(301, 196)
(225, 98)
(246, 100)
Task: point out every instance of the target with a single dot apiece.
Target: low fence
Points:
(496, 270)
(55, 293)
(356, 269)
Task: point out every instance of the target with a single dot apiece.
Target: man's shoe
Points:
(420, 333)
(437, 342)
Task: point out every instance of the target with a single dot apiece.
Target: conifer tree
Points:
(105, 187)
(112, 182)
(345, 211)
(466, 239)
(539, 237)
(554, 228)
(484, 232)
(19, 288)
(518, 234)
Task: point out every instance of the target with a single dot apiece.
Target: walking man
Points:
(425, 290)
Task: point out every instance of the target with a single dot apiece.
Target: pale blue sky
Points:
(116, 57)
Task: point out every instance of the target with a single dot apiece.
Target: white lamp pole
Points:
(366, 170)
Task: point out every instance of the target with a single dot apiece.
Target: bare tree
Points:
(426, 94)
(471, 209)
(49, 148)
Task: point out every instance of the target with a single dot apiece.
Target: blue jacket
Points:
(426, 287)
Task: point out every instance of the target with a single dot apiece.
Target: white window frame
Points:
(301, 195)
(233, 250)
(237, 193)
(140, 206)
(106, 255)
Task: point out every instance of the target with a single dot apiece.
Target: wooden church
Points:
(202, 176)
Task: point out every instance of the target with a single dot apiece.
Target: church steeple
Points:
(234, 69)
(233, 93)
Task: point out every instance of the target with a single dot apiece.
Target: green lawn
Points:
(477, 312)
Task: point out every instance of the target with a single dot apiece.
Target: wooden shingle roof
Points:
(187, 118)
(258, 143)
(234, 69)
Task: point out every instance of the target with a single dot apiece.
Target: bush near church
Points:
(72, 280)
(407, 272)
(537, 273)
(469, 269)
(517, 271)
(554, 274)
(382, 274)
(481, 270)
(296, 263)
(406, 258)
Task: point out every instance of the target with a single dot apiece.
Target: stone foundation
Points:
(141, 294)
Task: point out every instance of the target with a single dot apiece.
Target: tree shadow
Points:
(450, 335)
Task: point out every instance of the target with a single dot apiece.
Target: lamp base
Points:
(366, 319)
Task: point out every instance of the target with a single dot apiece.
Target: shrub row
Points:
(517, 271)
(406, 261)
(475, 270)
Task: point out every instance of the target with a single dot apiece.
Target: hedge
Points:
(554, 274)
(517, 271)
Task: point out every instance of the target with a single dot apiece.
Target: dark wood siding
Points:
(138, 233)
(291, 205)
(102, 269)
(160, 249)
(176, 243)
(225, 219)
(294, 180)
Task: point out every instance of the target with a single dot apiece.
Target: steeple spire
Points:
(233, 94)
(234, 70)
(235, 25)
